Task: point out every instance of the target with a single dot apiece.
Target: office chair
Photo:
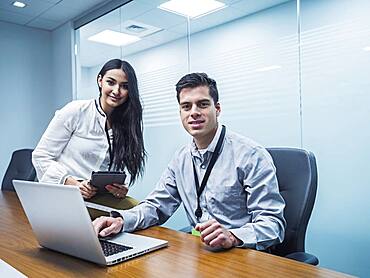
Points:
(20, 168)
(297, 176)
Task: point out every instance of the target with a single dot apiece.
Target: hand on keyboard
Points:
(105, 226)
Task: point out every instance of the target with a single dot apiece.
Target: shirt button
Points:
(203, 166)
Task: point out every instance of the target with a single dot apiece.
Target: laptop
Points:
(61, 222)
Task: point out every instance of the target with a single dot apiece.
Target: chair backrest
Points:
(20, 168)
(297, 176)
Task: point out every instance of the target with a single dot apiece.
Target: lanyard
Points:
(198, 211)
(111, 154)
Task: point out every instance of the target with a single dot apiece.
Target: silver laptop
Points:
(60, 221)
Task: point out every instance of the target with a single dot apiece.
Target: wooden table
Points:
(185, 256)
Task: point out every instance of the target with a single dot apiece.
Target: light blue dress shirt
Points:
(241, 193)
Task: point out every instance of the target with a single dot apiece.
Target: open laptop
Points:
(60, 221)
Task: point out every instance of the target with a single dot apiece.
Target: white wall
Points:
(63, 68)
(36, 72)
(26, 87)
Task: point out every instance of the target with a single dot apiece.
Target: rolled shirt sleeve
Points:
(264, 203)
(158, 206)
(52, 143)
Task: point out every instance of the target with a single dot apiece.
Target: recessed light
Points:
(192, 8)
(367, 48)
(273, 67)
(114, 38)
(19, 4)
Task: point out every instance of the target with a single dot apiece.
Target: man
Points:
(239, 205)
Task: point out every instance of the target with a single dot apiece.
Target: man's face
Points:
(199, 113)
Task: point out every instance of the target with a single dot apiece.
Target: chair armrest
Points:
(303, 257)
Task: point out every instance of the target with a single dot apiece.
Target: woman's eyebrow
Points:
(111, 78)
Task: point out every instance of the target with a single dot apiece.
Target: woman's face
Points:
(114, 89)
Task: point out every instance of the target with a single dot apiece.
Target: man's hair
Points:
(197, 79)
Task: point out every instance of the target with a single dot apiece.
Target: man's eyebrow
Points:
(203, 101)
(184, 102)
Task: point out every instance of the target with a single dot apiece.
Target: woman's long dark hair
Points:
(127, 125)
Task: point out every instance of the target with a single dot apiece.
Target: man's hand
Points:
(86, 189)
(214, 234)
(118, 190)
(105, 226)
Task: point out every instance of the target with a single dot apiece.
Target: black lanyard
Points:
(111, 154)
(198, 211)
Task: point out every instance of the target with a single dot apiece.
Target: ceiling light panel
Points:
(19, 4)
(113, 38)
(192, 8)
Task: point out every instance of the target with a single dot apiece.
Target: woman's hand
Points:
(86, 189)
(118, 190)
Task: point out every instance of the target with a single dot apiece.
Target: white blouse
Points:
(74, 144)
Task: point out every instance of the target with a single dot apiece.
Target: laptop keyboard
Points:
(110, 248)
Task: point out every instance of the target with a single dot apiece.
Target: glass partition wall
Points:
(241, 45)
(335, 38)
(289, 73)
(251, 49)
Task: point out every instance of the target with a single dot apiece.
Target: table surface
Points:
(185, 256)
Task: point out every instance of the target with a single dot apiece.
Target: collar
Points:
(101, 118)
(99, 108)
(211, 147)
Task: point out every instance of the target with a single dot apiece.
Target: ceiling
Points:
(173, 26)
(45, 14)
(50, 14)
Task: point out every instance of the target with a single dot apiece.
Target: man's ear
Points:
(218, 109)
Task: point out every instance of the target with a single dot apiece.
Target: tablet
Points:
(102, 178)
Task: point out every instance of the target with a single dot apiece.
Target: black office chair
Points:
(297, 176)
(20, 168)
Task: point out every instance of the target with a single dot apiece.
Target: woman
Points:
(92, 135)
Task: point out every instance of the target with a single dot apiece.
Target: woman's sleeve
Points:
(53, 142)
